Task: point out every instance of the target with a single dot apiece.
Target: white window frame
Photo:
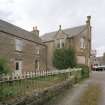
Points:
(59, 42)
(18, 44)
(38, 65)
(19, 71)
(82, 43)
(62, 42)
(20, 65)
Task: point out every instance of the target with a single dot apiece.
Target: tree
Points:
(4, 68)
(64, 58)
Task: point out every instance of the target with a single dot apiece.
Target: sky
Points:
(47, 15)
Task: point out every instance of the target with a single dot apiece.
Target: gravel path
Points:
(71, 97)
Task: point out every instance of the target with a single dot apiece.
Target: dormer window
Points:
(82, 43)
(18, 44)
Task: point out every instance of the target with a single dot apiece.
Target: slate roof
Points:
(70, 32)
(17, 31)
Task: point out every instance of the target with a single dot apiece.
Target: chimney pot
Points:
(35, 31)
(88, 20)
(88, 17)
(34, 28)
(60, 27)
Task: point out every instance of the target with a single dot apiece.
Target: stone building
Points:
(23, 50)
(98, 61)
(78, 38)
(93, 57)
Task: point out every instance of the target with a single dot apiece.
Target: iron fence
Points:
(19, 85)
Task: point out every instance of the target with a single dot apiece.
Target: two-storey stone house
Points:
(78, 38)
(23, 50)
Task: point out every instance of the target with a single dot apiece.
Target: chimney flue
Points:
(35, 31)
(88, 20)
(60, 27)
(34, 28)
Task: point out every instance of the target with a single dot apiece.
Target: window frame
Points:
(60, 43)
(82, 43)
(37, 65)
(19, 65)
(18, 44)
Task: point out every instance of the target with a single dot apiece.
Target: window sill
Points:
(18, 51)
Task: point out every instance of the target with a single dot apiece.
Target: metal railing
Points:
(19, 85)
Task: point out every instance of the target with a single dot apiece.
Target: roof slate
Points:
(19, 32)
(70, 32)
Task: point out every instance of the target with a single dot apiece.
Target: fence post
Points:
(24, 83)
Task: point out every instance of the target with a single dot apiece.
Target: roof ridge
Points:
(64, 29)
(70, 32)
(13, 25)
(74, 27)
(17, 31)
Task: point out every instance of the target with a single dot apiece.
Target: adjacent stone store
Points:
(24, 50)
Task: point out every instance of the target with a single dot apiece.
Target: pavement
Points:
(99, 77)
(71, 97)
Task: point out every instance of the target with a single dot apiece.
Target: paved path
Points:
(71, 96)
(100, 78)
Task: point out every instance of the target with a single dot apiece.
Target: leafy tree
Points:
(4, 68)
(64, 58)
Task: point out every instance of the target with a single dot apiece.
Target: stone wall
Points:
(72, 42)
(40, 98)
(28, 55)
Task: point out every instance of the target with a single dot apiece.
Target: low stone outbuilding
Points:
(23, 50)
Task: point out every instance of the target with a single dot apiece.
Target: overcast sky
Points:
(47, 15)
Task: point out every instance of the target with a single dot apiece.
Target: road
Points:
(71, 97)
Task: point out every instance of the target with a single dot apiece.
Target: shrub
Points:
(85, 71)
(64, 58)
(4, 68)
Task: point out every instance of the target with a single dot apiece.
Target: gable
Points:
(60, 35)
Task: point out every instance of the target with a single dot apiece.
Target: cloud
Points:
(48, 14)
(100, 50)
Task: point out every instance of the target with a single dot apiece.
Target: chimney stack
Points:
(60, 27)
(35, 31)
(88, 20)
